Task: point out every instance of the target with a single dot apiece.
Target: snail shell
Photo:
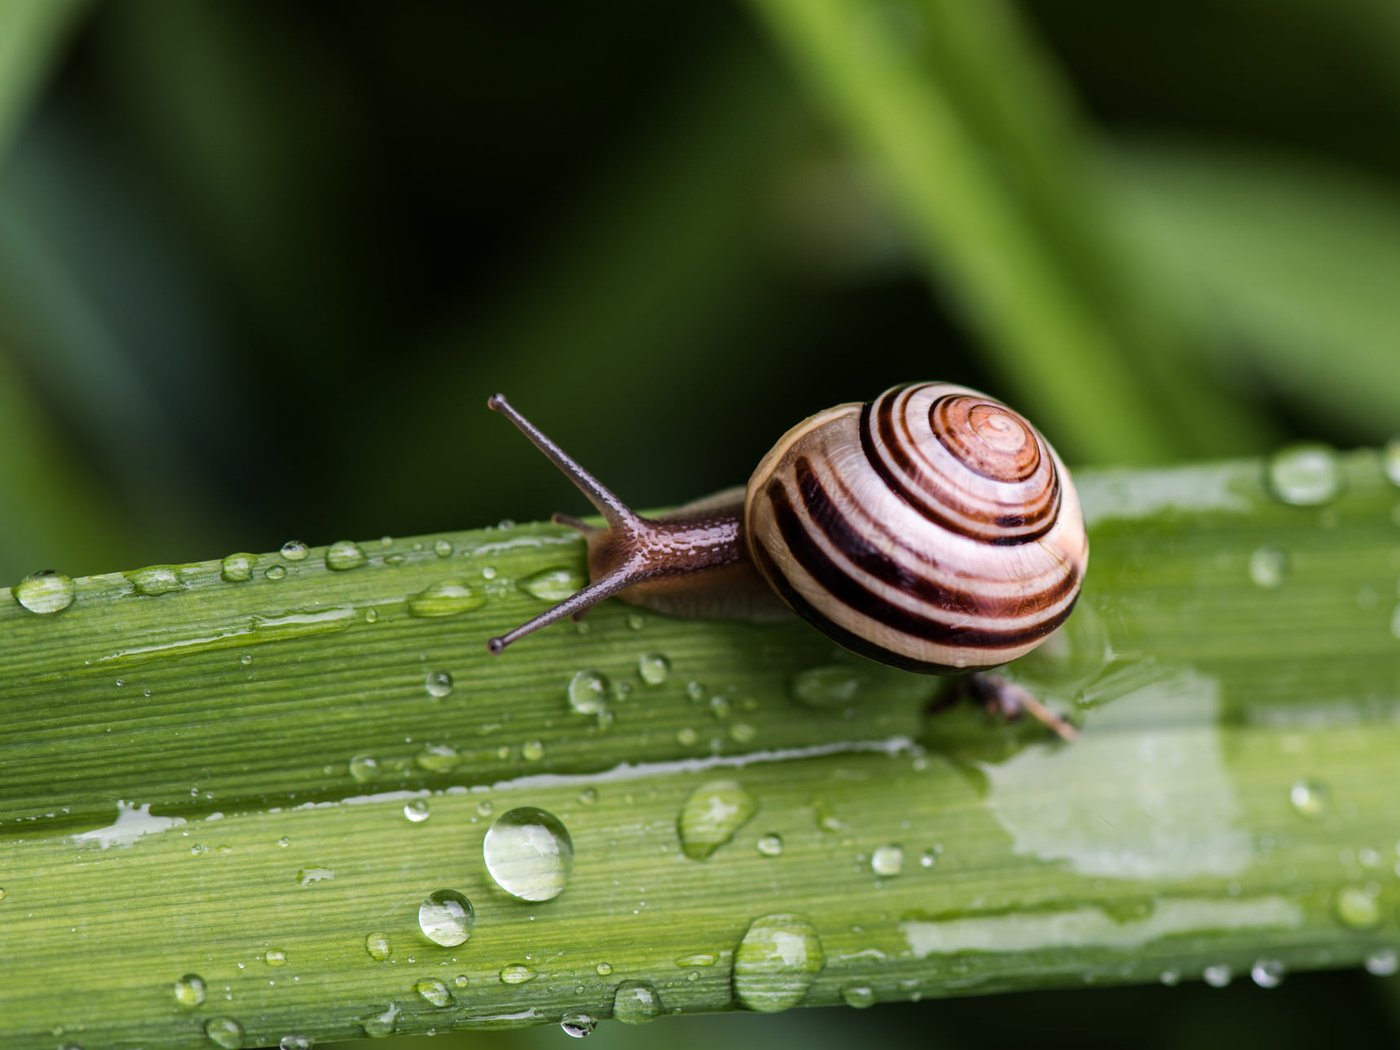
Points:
(932, 528)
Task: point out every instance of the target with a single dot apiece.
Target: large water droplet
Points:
(224, 1032)
(578, 1024)
(776, 962)
(1358, 907)
(237, 568)
(344, 555)
(588, 692)
(190, 990)
(377, 1026)
(294, 550)
(1309, 798)
(1268, 567)
(833, 686)
(433, 991)
(439, 684)
(1304, 475)
(448, 598)
(887, 861)
(1268, 973)
(529, 854)
(45, 591)
(635, 1002)
(711, 815)
(653, 668)
(155, 581)
(446, 918)
(516, 973)
(552, 585)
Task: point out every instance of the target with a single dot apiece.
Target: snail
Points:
(932, 529)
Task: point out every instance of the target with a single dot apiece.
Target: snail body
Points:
(933, 529)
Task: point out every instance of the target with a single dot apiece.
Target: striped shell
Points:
(933, 528)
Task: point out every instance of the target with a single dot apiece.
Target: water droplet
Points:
(364, 768)
(417, 810)
(1304, 475)
(696, 691)
(635, 1002)
(529, 854)
(686, 736)
(344, 555)
(776, 962)
(377, 1026)
(858, 995)
(588, 796)
(1309, 798)
(517, 973)
(577, 1024)
(711, 815)
(552, 585)
(532, 750)
(439, 684)
(294, 550)
(833, 686)
(1268, 973)
(276, 572)
(1268, 567)
(433, 991)
(588, 692)
(448, 598)
(1390, 460)
(307, 876)
(1217, 976)
(701, 959)
(296, 1042)
(460, 980)
(224, 1032)
(371, 616)
(446, 918)
(928, 858)
(1383, 962)
(742, 732)
(488, 572)
(237, 568)
(770, 845)
(378, 946)
(603, 969)
(275, 957)
(484, 808)
(1170, 978)
(653, 668)
(887, 861)
(155, 581)
(45, 591)
(443, 548)
(1358, 906)
(438, 758)
(190, 990)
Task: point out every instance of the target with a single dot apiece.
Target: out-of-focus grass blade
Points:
(254, 772)
(31, 35)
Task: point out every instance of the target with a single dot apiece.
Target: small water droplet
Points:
(294, 550)
(832, 686)
(439, 684)
(237, 568)
(686, 736)
(529, 854)
(190, 990)
(276, 572)
(695, 691)
(364, 768)
(1268, 973)
(1217, 976)
(224, 1032)
(417, 810)
(275, 957)
(344, 555)
(246, 659)
(308, 876)
(1268, 567)
(701, 959)
(437, 758)
(742, 733)
(371, 616)
(448, 598)
(446, 918)
(588, 796)
(1358, 906)
(45, 591)
(378, 946)
(296, 1042)
(488, 572)
(711, 815)
(603, 969)
(443, 548)
(928, 858)
(377, 1026)
(532, 750)
(1309, 798)
(517, 973)
(776, 962)
(858, 995)
(770, 845)
(1170, 978)
(1304, 475)
(578, 1024)
(484, 808)
(653, 668)
(433, 991)
(1390, 460)
(552, 585)
(588, 692)
(155, 581)
(1383, 962)
(887, 861)
(635, 1002)
(460, 980)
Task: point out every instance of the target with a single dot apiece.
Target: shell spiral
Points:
(933, 528)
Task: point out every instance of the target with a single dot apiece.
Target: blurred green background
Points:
(262, 262)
